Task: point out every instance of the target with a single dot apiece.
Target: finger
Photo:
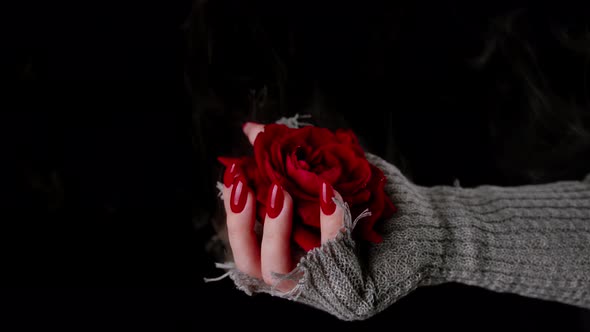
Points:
(331, 215)
(276, 237)
(251, 130)
(240, 208)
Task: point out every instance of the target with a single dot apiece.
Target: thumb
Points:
(251, 130)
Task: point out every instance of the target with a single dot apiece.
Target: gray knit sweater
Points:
(530, 240)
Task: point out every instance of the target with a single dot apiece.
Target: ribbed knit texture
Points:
(530, 240)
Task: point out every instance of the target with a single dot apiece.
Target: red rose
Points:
(300, 159)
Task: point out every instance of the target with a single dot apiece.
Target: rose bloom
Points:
(300, 160)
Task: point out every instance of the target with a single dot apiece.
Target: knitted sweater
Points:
(530, 240)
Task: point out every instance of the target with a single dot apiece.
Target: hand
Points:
(262, 259)
(350, 280)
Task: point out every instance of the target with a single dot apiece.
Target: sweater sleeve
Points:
(529, 240)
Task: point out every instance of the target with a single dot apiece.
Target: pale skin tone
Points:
(273, 254)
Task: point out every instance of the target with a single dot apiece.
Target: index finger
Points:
(240, 206)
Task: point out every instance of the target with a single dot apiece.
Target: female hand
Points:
(350, 280)
(272, 255)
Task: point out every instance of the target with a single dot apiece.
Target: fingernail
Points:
(275, 200)
(229, 175)
(326, 203)
(239, 194)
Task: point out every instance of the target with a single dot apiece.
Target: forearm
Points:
(529, 240)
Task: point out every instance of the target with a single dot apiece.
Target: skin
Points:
(273, 254)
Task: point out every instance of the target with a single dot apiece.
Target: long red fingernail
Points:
(326, 203)
(275, 200)
(239, 194)
(229, 175)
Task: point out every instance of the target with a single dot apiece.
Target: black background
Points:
(98, 233)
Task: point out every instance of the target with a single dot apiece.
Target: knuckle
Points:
(233, 230)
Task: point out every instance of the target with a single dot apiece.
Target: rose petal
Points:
(309, 212)
(262, 192)
(346, 136)
(317, 136)
(331, 175)
(310, 138)
(327, 166)
(263, 145)
(356, 170)
(360, 197)
(306, 239)
(277, 157)
(379, 206)
(307, 181)
(369, 234)
(390, 209)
